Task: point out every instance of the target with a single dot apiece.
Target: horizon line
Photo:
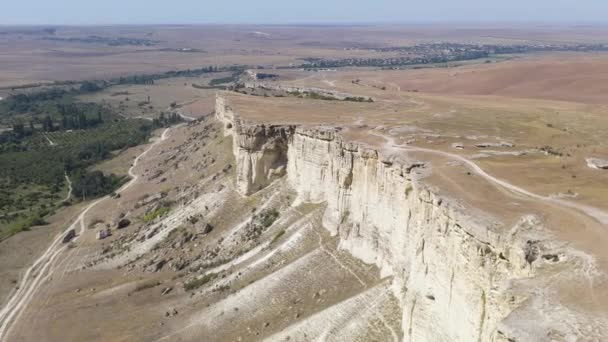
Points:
(330, 23)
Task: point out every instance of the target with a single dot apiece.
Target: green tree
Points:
(19, 129)
(47, 124)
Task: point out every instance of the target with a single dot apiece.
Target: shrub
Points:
(146, 285)
(268, 217)
(156, 213)
(195, 283)
(278, 236)
(22, 225)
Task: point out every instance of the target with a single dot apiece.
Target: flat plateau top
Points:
(539, 144)
(506, 153)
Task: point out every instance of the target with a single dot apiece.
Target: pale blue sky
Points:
(297, 11)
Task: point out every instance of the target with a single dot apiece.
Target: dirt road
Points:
(595, 213)
(42, 269)
(67, 197)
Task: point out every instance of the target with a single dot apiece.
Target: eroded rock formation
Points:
(458, 277)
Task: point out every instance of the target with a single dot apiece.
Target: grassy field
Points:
(228, 45)
(151, 100)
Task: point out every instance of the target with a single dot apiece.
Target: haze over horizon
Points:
(74, 12)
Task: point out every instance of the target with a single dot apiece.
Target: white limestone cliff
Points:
(261, 151)
(458, 277)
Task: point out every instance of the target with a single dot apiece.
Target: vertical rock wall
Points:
(453, 274)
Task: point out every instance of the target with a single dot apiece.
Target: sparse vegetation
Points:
(110, 41)
(313, 95)
(95, 184)
(260, 223)
(167, 120)
(268, 217)
(551, 151)
(23, 224)
(33, 177)
(198, 86)
(146, 285)
(327, 97)
(277, 236)
(195, 283)
(263, 76)
(165, 208)
(345, 216)
(54, 135)
(224, 80)
(359, 99)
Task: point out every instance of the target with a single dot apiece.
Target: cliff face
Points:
(261, 155)
(260, 151)
(453, 274)
(443, 264)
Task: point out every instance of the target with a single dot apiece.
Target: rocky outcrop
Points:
(456, 275)
(261, 153)
(443, 262)
(260, 150)
(596, 163)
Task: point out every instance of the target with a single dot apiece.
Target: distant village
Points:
(442, 53)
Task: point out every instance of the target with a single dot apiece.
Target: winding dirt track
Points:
(43, 268)
(67, 197)
(595, 213)
(185, 117)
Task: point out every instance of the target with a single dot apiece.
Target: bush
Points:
(223, 80)
(95, 184)
(278, 236)
(22, 225)
(359, 99)
(146, 285)
(156, 213)
(195, 283)
(268, 217)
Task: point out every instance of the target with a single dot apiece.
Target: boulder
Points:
(207, 229)
(104, 233)
(123, 223)
(596, 163)
(69, 236)
(159, 265)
